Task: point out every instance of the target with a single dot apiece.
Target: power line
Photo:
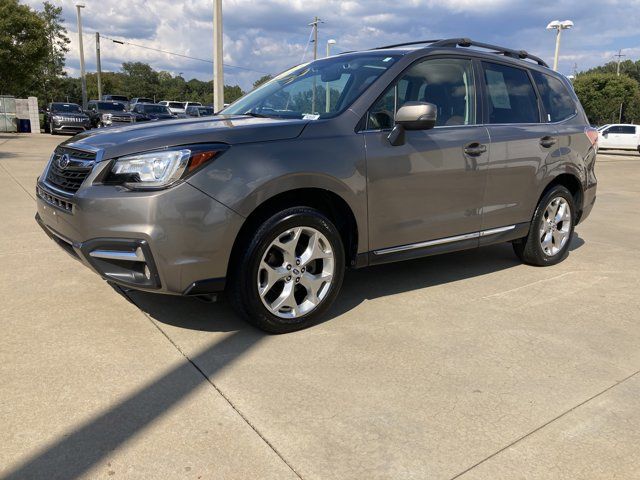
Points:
(124, 42)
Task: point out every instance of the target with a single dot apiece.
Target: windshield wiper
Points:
(256, 115)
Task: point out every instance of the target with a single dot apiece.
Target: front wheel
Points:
(551, 230)
(289, 272)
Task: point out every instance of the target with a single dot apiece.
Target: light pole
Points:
(330, 42)
(98, 66)
(218, 75)
(558, 26)
(84, 79)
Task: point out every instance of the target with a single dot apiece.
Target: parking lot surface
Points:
(469, 365)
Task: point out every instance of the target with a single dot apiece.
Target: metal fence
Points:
(8, 121)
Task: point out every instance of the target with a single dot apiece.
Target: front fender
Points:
(248, 175)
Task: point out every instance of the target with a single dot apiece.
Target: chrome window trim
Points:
(441, 241)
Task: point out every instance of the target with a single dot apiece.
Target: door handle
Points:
(475, 149)
(548, 142)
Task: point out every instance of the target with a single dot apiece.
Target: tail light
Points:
(592, 135)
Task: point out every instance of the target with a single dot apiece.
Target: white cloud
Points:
(271, 35)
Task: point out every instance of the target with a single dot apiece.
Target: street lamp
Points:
(330, 42)
(558, 26)
(84, 79)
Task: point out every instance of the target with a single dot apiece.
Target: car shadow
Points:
(358, 286)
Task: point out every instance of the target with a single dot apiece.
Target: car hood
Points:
(229, 129)
(116, 113)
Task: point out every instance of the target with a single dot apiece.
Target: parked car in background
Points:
(176, 108)
(117, 98)
(151, 112)
(619, 137)
(193, 111)
(191, 104)
(65, 117)
(135, 100)
(427, 148)
(107, 114)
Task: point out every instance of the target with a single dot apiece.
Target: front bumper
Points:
(71, 127)
(175, 241)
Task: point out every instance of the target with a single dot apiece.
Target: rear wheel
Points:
(289, 272)
(551, 229)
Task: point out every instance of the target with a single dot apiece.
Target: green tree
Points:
(232, 93)
(23, 49)
(604, 94)
(139, 80)
(58, 46)
(261, 80)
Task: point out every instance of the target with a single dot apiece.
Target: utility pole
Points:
(314, 24)
(218, 74)
(330, 42)
(84, 79)
(619, 55)
(99, 66)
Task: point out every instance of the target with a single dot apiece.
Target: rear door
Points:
(628, 139)
(520, 145)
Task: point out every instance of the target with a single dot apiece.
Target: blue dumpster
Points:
(24, 125)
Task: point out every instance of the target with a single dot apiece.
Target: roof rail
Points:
(467, 42)
(406, 44)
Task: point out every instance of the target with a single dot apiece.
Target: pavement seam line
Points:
(535, 430)
(206, 377)
(16, 180)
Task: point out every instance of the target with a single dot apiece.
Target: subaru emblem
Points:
(64, 161)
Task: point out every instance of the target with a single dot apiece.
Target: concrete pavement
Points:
(468, 365)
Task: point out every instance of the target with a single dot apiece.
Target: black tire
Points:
(529, 249)
(243, 289)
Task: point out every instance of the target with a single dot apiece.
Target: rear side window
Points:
(511, 97)
(628, 129)
(557, 100)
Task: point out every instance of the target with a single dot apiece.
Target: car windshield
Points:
(301, 92)
(176, 105)
(144, 100)
(119, 98)
(114, 106)
(205, 110)
(66, 108)
(154, 109)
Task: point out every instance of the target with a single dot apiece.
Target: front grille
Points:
(120, 119)
(54, 200)
(69, 178)
(72, 119)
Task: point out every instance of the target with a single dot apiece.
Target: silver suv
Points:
(354, 160)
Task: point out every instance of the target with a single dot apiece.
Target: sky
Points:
(268, 36)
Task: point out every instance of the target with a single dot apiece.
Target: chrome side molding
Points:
(441, 241)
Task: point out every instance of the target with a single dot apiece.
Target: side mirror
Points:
(413, 116)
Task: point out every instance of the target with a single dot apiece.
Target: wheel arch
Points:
(334, 206)
(567, 178)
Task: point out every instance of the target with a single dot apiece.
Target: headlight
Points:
(155, 170)
(106, 116)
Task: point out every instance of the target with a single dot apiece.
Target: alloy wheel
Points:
(555, 226)
(296, 272)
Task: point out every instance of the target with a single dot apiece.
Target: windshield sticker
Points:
(310, 116)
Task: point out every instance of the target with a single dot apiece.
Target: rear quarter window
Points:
(558, 102)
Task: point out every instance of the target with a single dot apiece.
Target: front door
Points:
(431, 187)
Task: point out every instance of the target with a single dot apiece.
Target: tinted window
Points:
(176, 105)
(511, 97)
(557, 100)
(628, 130)
(116, 107)
(66, 107)
(447, 83)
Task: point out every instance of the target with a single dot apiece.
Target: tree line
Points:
(608, 97)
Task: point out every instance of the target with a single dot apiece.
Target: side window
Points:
(511, 97)
(446, 82)
(628, 130)
(557, 101)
